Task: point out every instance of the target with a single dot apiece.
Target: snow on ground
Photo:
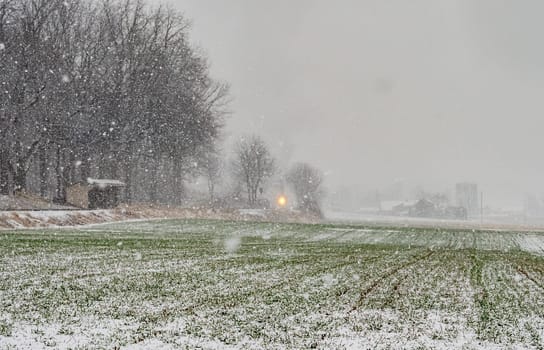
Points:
(491, 223)
(207, 284)
(56, 218)
(67, 218)
(533, 243)
(253, 212)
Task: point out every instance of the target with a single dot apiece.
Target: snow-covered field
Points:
(184, 284)
(489, 222)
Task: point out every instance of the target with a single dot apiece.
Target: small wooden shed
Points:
(95, 194)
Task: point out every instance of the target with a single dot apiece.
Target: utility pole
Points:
(481, 207)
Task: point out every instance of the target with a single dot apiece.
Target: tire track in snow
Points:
(380, 280)
(395, 289)
(523, 271)
(236, 298)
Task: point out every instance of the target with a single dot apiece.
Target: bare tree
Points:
(212, 169)
(253, 165)
(307, 184)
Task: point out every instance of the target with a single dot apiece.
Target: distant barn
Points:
(95, 194)
(423, 208)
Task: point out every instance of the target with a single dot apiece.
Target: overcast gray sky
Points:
(433, 92)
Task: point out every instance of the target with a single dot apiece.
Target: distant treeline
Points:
(105, 88)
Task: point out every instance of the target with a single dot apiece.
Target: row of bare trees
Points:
(108, 88)
(253, 165)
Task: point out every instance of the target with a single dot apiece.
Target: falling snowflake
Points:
(328, 280)
(232, 244)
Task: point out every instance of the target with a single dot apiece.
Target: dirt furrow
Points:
(389, 274)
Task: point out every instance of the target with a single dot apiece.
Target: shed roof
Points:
(105, 183)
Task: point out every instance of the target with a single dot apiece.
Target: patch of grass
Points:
(292, 285)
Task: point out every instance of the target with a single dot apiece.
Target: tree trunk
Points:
(128, 183)
(4, 181)
(248, 185)
(211, 190)
(68, 160)
(19, 177)
(85, 167)
(4, 174)
(128, 187)
(152, 166)
(102, 164)
(59, 193)
(73, 168)
(43, 170)
(179, 190)
(114, 166)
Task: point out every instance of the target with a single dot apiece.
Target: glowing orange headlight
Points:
(282, 201)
